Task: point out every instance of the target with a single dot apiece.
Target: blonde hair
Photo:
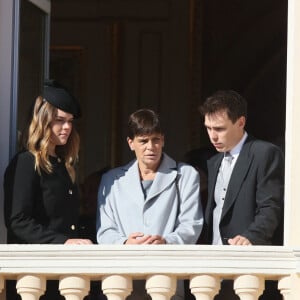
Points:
(38, 141)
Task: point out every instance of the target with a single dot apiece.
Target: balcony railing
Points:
(160, 265)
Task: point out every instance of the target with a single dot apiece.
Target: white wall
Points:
(292, 174)
(6, 28)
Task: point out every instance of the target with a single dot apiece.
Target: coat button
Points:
(70, 192)
(73, 227)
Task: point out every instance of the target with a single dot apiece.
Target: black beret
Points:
(61, 98)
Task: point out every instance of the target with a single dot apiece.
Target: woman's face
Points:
(61, 128)
(148, 149)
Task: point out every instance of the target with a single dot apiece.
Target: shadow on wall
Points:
(248, 54)
(89, 192)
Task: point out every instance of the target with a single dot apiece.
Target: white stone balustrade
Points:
(249, 287)
(204, 287)
(161, 287)
(31, 287)
(116, 287)
(74, 287)
(116, 266)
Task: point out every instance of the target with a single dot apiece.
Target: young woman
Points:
(41, 194)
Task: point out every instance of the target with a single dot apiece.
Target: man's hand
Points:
(239, 240)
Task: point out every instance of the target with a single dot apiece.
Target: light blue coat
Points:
(122, 208)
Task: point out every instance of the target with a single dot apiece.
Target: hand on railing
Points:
(78, 242)
(138, 238)
(239, 240)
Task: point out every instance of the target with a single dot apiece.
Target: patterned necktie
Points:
(220, 194)
(226, 167)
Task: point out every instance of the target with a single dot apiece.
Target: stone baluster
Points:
(74, 287)
(1, 284)
(31, 287)
(204, 287)
(249, 287)
(161, 287)
(284, 285)
(116, 287)
(289, 286)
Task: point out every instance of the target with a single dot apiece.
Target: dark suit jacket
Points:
(253, 205)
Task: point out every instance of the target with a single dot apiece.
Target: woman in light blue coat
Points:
(153, 199)
(170, 209)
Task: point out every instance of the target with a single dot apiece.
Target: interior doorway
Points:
(118, 56)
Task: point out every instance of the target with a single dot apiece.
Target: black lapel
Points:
(213, 165)
(238, 175)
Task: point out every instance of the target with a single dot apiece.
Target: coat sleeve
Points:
(190, 216)
(106, 226)
(20, 219)
(269, 197)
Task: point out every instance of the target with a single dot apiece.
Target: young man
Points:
(245, 196)
(248, 208)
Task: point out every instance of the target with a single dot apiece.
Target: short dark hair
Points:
(143, 122)
(230, 101)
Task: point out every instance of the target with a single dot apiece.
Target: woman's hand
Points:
(78, 242)
(138, 238)
(156, 239)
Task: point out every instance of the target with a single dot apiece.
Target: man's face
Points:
(224, 134)
(148, 149)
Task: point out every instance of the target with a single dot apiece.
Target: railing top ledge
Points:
(177, 250)
(98, 260)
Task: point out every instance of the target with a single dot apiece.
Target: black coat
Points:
(253, 204)
(39, 209)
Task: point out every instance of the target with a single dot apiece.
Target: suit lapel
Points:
(213, 167)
